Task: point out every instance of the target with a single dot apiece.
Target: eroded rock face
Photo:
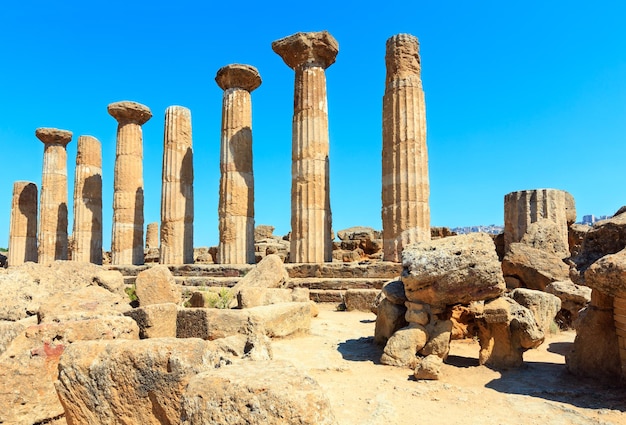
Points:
(139, 381)
(255, 393)
(573, 299)
(453, 270)
(608, 274)
(546, 235)
(544, 306)
(389, 318)
(506, 330)
(605, 237)
(402, 347)
(269, 273)
(533, 267)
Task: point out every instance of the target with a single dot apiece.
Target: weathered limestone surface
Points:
(87, 232)
(453, 270)
(532, 267)
(309, 54)
(156, 285)
(544, 306)
(53, 239)
(23, 231)
(236, 201)
(527, 206)
(127, 237)
(177, 189)
(402, 347)
(256, 393)
(152, 235)
(405, 185)
(389, 318)
(155, 320)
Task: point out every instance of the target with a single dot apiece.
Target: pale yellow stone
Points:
(53, 240)
(177, 190)
(87, 231)
(309, 54)
(236, 198)
(152, 235)
(128, 198)
(23, 230)
(405, 184)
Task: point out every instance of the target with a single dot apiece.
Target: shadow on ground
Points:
(360, 350)
(553, 382)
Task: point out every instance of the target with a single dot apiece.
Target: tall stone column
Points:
(53, 239)
(127, 237)
(236, 203)
(177, 188)
(87, 232)
(524, 207)
(405, 184)
(152, 236)
(309, 54)
(23, 230)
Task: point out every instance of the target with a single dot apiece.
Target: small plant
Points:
(4, 250)
(220, 299)
(554, 328)
(131, 292)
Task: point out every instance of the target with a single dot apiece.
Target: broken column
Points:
(405, 185)
(152, 236)
(309, 54)
(87, 232)
(177, 188)
(23, 231)
(127, 235)
(53, 239)
(525, 207)
(236, 204)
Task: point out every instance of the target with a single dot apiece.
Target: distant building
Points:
(589, 219)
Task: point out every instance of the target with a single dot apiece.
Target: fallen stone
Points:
(453, 270)
(428, 367)
(605, 237)
(90, 302)
(402, 347)
(156, 285)
(155, 320)
(544, 306)
(545, 235)
(417, 313)
(360, 299)
(394, 292)
(270, 272)
(255, 393)
(112, 281)
(608, 274)
(533, 267)
(573, 299)
(389, 319)
(254, 297)
(440, 332)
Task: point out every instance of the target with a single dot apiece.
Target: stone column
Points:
(23, 230)
(309, 54)
(405, 185)
(527, 206)
(53, 239)
(87, 232)
(152, 236)
(236, 204)
(177, 188)
(127, 237)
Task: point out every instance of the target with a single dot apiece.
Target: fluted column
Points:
(405, 184)
(236, 201)
(177, 188)
(525, 207)
(23, 230)
(152, 236)
(53, 239)
(309, 54)
(127, 235)
(87, 231)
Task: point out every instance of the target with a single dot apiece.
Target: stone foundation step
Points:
(371, 270)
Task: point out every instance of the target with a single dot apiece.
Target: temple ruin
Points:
(23, 230)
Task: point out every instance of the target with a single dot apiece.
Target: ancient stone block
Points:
(156, 285)
(360, 299)
(533, 267)
(402, 347)
(155, 320)
(389, 318)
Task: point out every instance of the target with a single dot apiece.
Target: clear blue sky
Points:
(519, 95)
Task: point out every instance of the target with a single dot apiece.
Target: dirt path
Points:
(340, 355)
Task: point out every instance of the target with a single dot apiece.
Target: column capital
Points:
(129, 112)
(315, 48)
(239, 76)
(53, 136)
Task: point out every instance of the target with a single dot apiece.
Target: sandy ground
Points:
(339, 353)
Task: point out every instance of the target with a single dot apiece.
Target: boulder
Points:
(401, 349)
(533, 267)
(440, 332)
(544, 306)
(394, 292)
(139, 382)
(255, 393)
(545, 235)
(156, 285)
(270, 272)
(608, 274)
(573, 298)
(506, 330)
(112, 281)
(605, 237)
(428, 367)
(417, 313)
(390, 318)
(28, 368)
(452, 270)
(90, 302)
(575, 236)
(155, 320)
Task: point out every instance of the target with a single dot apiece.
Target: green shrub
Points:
(130, 291)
